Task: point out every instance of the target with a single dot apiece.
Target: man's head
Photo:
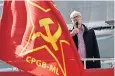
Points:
(76, 17)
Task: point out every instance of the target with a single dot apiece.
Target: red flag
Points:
(35, 38)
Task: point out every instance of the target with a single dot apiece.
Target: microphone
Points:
(76, 24)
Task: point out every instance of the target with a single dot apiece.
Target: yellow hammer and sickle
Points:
(49, 38)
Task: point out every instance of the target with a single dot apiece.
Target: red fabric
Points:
(100, 72)
(35, 38)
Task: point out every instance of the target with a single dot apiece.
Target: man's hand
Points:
(74, 32)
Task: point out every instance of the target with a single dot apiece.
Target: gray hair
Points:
(74, 13)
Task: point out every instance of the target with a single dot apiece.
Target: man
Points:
(85, 40)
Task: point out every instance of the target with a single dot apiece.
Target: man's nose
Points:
(75, 19)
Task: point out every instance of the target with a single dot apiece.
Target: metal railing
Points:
(94, 59)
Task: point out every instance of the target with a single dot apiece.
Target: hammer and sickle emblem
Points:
(49, 38)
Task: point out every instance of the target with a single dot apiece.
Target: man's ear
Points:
(71, 22)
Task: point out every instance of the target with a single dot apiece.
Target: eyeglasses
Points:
(76, 17)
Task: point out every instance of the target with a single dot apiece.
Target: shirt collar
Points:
(82, 28)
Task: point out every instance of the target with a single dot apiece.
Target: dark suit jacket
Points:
(92, 50)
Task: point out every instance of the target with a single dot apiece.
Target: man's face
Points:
(77, 18)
